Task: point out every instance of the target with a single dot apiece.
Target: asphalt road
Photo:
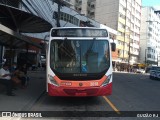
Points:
(131, 92)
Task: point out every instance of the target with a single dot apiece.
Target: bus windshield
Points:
(79, 56)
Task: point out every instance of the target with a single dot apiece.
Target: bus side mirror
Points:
(113, 46)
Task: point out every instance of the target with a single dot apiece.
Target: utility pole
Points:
(58, 13)
(157, 59)
(129, 56)
(60, 3)
(145, 56)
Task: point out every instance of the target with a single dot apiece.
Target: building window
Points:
(120, 25)
(92, 13)
(122, 16)
(92, 6)
(69, 18)
(148, 55)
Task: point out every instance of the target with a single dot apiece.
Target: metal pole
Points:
(27, 60)
(58, 16)
(157, 59)
(145, 56)
(129, 57)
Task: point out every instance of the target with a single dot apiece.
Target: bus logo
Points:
(80, 84)
(78, 75)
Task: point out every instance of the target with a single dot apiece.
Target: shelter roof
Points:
(22, 21)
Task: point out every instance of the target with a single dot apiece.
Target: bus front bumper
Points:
(79, 91)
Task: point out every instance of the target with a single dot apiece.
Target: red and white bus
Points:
(79, 62)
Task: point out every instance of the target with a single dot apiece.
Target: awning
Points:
(11, 38)
(22, 21)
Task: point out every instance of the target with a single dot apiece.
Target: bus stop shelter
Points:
(14, 22)
(13, 39)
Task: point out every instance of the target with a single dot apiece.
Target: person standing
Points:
(23, 75)
(14, 77)
(5, 78)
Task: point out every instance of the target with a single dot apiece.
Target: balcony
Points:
(120, 47)
(91, 15)
(125, 55)
(120, 38)
(123, 3)
(129, 8)
(134, 53)
(121, 20)
(135, 46)
(78, 3)
(122, 11)
(132, 20)
(90, 9)
(121, 29)
(150, 26)
(91, 0)
(131, 36)
(128, 23)
(127, 40)
(136, 38)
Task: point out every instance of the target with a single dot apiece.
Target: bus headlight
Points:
(107, 80)
(53, 81)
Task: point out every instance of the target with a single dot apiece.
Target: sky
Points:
(154, 3)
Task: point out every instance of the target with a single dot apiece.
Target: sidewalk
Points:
(130, 72)
(24, 98)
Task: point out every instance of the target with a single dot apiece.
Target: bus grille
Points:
(74, 91)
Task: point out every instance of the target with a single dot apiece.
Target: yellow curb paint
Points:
(111, 104)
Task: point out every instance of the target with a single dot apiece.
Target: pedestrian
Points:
(23, 76)
(15, 72)
(5, 78)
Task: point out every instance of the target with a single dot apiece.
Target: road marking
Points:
(111, 104)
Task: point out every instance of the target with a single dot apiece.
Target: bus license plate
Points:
(93, 83)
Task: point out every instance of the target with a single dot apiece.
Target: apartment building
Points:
(150, 36)
(121, 15)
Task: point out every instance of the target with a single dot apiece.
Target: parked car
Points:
(158, 75)
(152, 74)
(155, 72)
(139, 71)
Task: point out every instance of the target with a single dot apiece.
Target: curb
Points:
(30, 104)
